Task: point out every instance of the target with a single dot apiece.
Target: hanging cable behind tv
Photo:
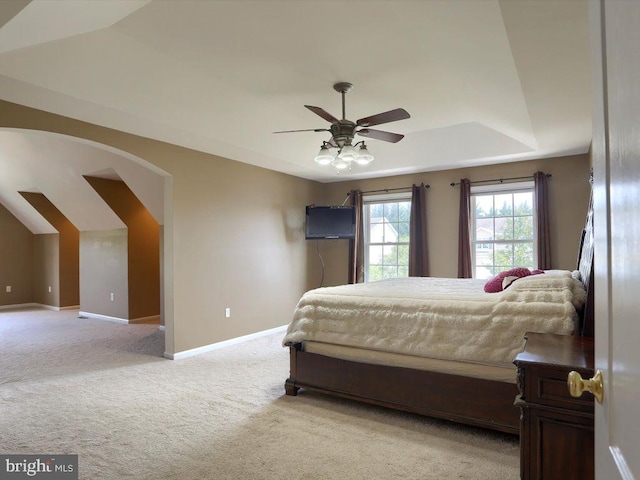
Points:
(321, 263)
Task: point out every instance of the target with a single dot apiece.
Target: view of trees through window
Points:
(503, 231)
(387, 239)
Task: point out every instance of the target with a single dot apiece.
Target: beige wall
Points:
(143, 246)
(568, 190)
(232, 232)
(46, 265)
(104, 271)
(238, 243)
(68, 292)
(16, 260)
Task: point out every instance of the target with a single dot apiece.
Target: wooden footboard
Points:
(472, 401)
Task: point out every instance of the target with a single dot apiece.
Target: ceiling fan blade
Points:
(306, 130)
(324, 114)
(380, 135)
(386, 117)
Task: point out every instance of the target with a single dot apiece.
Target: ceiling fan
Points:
(343, 130)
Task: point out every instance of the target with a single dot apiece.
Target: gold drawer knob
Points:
(578, 385)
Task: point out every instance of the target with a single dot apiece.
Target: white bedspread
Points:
(450, 319)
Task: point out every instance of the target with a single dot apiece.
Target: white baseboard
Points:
(215, 346)
(57, 309)
(48, 307)
(19, 305)
(39, 305)
(102, 317)
(99, 316)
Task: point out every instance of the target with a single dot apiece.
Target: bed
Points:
(437, 347)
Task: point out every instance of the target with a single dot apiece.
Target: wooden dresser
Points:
(556, 429)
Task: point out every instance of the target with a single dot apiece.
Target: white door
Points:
(615, 45)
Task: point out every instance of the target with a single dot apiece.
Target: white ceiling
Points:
(484, 81)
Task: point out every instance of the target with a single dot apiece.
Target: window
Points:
(386, 239)
(502, 230)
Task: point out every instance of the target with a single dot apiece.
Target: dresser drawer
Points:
(548, 386)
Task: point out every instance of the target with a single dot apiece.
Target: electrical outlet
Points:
(8, 288)
(227, 312)
(49, 288)
(112, 296)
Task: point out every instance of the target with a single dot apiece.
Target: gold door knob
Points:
(578, 385)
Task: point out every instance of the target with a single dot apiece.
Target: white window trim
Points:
(502, 187)
(496, 189)
(386, 197)
(367, 200)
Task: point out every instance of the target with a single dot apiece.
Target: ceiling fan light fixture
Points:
(348, 153)
(340, 164)
(324, 157)
(343, 130)
(363, 157)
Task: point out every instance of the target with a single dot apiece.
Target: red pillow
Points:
(495, 284)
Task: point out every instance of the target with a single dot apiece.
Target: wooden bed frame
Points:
(467, 400)
(473, 401)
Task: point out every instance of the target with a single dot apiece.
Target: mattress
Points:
(439, 318)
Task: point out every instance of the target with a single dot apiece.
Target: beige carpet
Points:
(102, 390)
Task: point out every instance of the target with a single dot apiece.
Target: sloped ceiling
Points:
(484, 81)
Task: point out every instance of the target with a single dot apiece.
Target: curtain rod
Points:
(499, 180)
(386, 190)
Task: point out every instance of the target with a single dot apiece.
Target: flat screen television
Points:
(330, 222)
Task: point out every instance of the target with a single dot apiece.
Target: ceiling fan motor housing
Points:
(343, 132)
